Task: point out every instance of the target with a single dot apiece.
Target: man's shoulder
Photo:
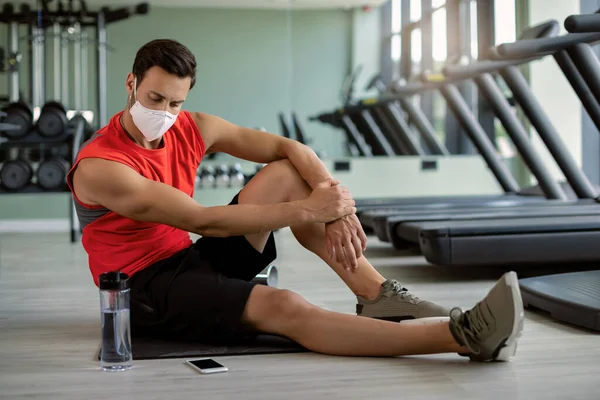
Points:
(201, 119)
(107, 146)
(189, 131)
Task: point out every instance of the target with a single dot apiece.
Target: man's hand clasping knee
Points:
(346, 239)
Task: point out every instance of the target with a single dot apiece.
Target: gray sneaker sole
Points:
(510, 345)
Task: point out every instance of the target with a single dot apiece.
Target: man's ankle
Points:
(370, 293)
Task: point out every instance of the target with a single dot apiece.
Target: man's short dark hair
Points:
(167, 54)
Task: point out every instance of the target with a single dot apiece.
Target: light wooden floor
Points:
(49, 334)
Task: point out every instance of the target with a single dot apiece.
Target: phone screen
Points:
(205, 364)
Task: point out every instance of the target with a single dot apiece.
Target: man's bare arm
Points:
(249, 144)
(122, 190)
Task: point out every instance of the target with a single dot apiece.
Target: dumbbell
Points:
(18, 114)
(53, 119)
(207, 177)
(236, 177)
(268, 277)
(222, 177)
(52, 173)
(15, 174)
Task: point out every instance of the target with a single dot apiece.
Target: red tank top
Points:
(117, 243)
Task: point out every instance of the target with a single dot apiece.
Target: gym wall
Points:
(366, 48)
(251, 64)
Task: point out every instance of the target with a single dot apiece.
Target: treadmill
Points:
(551, 189)
(416, 116)
(572, 297)
(511, 189)
(383, 127)
(372, 119)
(383, 136)
(500, 171)
(392, 227)
(364, 138)
(385, 122)
(555, 235)
(357, 145)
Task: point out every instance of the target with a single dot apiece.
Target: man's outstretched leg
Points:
(489, 331)
(377, 297)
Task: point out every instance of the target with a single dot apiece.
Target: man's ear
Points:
(129, 82)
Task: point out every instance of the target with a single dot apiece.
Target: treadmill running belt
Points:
(393, 203)
(394, 228)
(523, 241)
(572, 297)
(372, 216)
(512, 226)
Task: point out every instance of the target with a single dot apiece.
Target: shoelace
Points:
(401, 291)
(475, 324)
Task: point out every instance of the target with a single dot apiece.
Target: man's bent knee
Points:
(283, 166)
(278, 311)
(277, 182)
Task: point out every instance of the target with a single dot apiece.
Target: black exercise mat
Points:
(150, 349)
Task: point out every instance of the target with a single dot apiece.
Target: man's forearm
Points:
(245, 219)
(309, 166)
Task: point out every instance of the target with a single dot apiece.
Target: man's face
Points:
(159, 90)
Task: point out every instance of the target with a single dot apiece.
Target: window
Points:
(473, 34)
(416, 49)
(396, 22)
(415, 10)
(465, 18)
(396, 48)
(396, 45)
(505, 24)
(504, 27)
(439, 41)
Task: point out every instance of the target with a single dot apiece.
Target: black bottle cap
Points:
(114, 281)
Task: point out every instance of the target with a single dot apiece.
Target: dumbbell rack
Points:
(74, 136)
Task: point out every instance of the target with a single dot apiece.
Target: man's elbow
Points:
(211, 231)
(288, 148)
(208, 224)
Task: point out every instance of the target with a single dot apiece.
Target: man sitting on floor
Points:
(133, 183)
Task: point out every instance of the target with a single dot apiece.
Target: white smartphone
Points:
(207, 366)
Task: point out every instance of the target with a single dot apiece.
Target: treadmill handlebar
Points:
(412, 88)
(548, 28)
(464, 70)
(538, 47)
(482, 67)
(327, 118)
(583, 23)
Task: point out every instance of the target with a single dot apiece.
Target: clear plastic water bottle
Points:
(116, 334)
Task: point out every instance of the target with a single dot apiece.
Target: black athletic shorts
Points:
(199, 293)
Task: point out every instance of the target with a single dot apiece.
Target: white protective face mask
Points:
(152, 123)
